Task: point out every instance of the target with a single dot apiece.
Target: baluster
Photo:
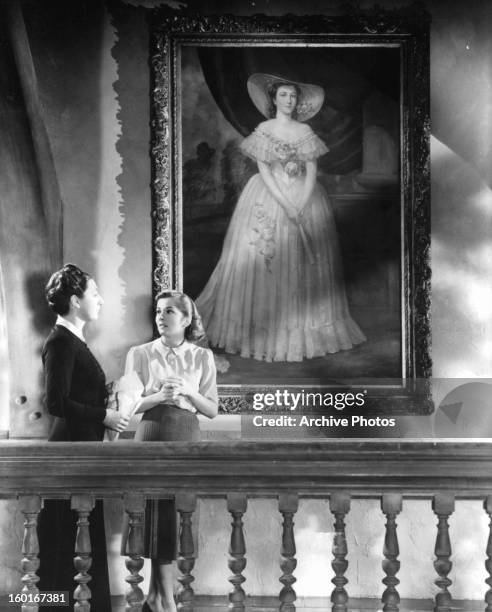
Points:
(30, 506)
(391, 505)
(443, 506)
(236, 505)
(185, 505)
(83, 504)
(135, 508)
(339, 506)
(287, 505)
(488, 562)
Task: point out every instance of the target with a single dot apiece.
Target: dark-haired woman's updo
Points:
(68, 281)
(272, 93)
(194, 331)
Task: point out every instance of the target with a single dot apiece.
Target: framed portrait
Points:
(290, 198)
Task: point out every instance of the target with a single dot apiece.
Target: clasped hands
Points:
(172, 388)
(293, 214)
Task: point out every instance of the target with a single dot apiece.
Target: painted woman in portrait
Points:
(277, 292)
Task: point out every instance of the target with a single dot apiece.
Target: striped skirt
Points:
(162, 423)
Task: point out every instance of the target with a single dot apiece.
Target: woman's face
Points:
(90, 303)
(286, 99)
(171, 322)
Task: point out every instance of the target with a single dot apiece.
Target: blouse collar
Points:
(172, 350)
(62, 322)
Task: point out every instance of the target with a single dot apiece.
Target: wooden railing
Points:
(336, 469)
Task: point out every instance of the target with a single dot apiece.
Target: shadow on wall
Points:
(42, 318)
(66, 41)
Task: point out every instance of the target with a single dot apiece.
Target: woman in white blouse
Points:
(179, 380)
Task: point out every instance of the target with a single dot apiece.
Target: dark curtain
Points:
(348, 76)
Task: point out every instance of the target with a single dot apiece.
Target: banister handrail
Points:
(365, 468)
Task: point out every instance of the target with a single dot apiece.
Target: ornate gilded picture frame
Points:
(334, 296)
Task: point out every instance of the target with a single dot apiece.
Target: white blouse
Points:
(154, 361)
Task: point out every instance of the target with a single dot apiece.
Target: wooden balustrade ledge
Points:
(365, 468)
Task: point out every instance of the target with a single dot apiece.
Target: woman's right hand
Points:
(165, 395)
(115, 420)
(290, 211)
(276, 192)
(170, 389)
(292, 216)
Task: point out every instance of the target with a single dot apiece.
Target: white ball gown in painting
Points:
(277, 292)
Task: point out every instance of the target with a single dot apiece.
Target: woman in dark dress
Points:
(179, 382)
(76, 396)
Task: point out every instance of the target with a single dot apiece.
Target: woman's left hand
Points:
(178, 385)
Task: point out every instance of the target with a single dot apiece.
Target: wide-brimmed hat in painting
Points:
(310, 101)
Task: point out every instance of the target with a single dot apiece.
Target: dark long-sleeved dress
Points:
(76, 396)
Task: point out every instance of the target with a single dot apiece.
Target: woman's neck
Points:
(283, 119)
(172, 342)
(77, 322)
